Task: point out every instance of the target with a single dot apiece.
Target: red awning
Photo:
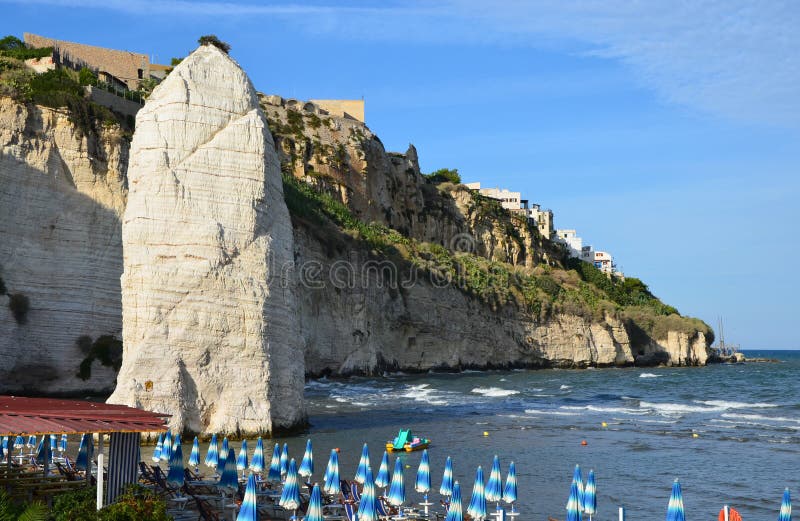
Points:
(54, 416)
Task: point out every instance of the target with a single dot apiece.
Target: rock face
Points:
(62, 191)
(210, 334)
(367, 321)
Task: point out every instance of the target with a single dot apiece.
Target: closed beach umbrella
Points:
(314, 511)
(241, 461)
(62, 446)
(229, 479)
(328, 468)
(212, 456)
(455, 511)
(175, 476)
(510, 492)
(225, 447)
(249, 510)
(786, 507)
(257, 463)
(590, 496)
(52, 443)
(44, 454)
(284, 461)
(675, 509)
(577, 478)
(331, 485)
(31, 442)
(290, 497)
(82, 461)
(447, 478)
(573, 503)
(274, 474)
(157, 451)
(494, 488)
(194, 457)
(307, 465)
(5, 446)
(363, 464)
(367, 509)
(477, 503)
(423, 483)
(166, 447)
(397, 492)
(382, 478)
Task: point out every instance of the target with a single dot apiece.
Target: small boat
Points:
(405, 441)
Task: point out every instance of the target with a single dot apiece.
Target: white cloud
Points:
(738, 59)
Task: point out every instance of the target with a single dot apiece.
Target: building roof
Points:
(20, 415)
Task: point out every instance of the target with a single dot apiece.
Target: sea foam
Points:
(494, 392)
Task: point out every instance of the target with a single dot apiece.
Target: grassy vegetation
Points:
(107, 349)
(13, 47)
(19, 305)
(444, 175)
(580, 289)
(135, 504)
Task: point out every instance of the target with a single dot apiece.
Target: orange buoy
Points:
(337, 449)
(584, 443)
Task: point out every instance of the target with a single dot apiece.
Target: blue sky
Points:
(667, 133)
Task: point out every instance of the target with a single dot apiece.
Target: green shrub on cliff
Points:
(444, 175)
(13, 47)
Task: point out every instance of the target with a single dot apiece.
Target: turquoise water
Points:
(746, 419)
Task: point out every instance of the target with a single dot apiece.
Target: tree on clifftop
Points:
(211, 39)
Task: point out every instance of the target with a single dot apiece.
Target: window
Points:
(140, 73)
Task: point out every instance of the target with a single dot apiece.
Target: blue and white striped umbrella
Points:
(212, 456)
(574, 503)
(367, 508)
(328, 468)
(494, 487)
(241, 461)
(249, 509)
(157, 451)
(290, 497)
(590, 496)
(382, 478)
(786, 507)
(477, 503)
(284, 461)
(257, 463)
(314, 511)
(82, 461)
(31, 444)
(175, 476)
(5, 446)
(52, 443)
(577, 478)
(307, 465)
(229, 479)
(423, 482)
(331, 485)
(19, 443)
(363, 464)
(455, 512)
(62, 446)
(675, 508)
(44, 454)
(510, 492)
(274, 474)
(223, 451)
(447, 478)
(194, 457)
(397, 491)
(166, 447)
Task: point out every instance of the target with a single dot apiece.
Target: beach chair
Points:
(350, 512)
(385, 511)
(191, 476)
(355, 495)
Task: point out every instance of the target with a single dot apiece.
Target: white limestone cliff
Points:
(209, 327)
(62, 191)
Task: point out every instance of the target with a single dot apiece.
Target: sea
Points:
(729, 432)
